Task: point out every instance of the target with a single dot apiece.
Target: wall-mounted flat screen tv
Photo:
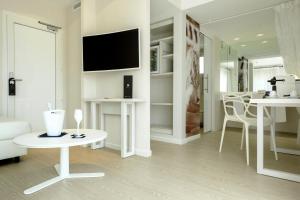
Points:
(112, 51)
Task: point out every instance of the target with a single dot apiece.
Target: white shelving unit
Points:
(162, 103)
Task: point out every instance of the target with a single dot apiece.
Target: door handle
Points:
(12, 86)
(205, 85)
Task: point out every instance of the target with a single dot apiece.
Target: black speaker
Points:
(127, 84)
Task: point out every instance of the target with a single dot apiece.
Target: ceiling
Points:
(220, 9)
(228, 19)
(246, 28)
(65, 3)
(186, 4)
(243, 19)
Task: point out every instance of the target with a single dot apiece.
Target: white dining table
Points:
(32, 140)
(273, 103)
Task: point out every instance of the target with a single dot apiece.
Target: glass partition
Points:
(228, 68)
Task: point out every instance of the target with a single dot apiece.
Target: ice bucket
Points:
(54, 121)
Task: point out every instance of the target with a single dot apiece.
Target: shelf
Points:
(162, 129)
(163, 23)
(168, 56)
(154, 47)
(167, 74)
(162, 104)
(168, 40)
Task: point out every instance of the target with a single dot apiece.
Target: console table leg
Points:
(132, 122)
(94, 116)
(127, 149)
(124, 132)
(94, 120)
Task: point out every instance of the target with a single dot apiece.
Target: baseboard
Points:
(191, 138)
(138, 152)
(166, 139)
(175, 140)
(113, 146)
(143, 152)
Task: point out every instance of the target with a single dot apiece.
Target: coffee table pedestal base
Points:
(63, 171)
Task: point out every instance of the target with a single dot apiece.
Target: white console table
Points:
(127, 139)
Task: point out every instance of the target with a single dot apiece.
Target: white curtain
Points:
(287, 21)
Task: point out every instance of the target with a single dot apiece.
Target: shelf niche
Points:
(161, 84)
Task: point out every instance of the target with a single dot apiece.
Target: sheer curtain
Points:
(287, 17)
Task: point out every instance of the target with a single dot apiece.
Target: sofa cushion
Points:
(10, 129)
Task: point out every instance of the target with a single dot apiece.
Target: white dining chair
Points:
(233, 101)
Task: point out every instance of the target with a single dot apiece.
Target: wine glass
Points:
(78, 118)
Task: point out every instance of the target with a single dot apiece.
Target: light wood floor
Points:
(193, 171)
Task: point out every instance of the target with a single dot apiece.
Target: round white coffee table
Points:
(32, 140)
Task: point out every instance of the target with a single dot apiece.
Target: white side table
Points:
(32, 140)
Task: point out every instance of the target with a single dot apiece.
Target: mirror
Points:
(249, 51)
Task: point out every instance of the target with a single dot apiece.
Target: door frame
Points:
(207, 125)
(8, 18)
(208, 71)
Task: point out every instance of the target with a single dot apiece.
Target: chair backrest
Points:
(236, 104)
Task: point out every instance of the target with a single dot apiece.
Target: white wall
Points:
(49, 10)
(43, 10)
(73, 70)
(104, 16)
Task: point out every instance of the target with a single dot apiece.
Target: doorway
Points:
(205, 65)
(30, 64)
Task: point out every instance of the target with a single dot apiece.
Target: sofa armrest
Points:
(11, 129)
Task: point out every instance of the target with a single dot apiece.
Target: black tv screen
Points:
(112, 51)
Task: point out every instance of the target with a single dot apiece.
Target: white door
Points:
(207, 85)
(32, 62)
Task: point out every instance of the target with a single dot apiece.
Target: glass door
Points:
(205, 64)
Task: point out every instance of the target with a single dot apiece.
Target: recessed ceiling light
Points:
(237, 39)
(264, 42)
(260, 35)
(243, 45)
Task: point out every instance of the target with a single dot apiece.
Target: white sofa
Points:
(8, 130)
